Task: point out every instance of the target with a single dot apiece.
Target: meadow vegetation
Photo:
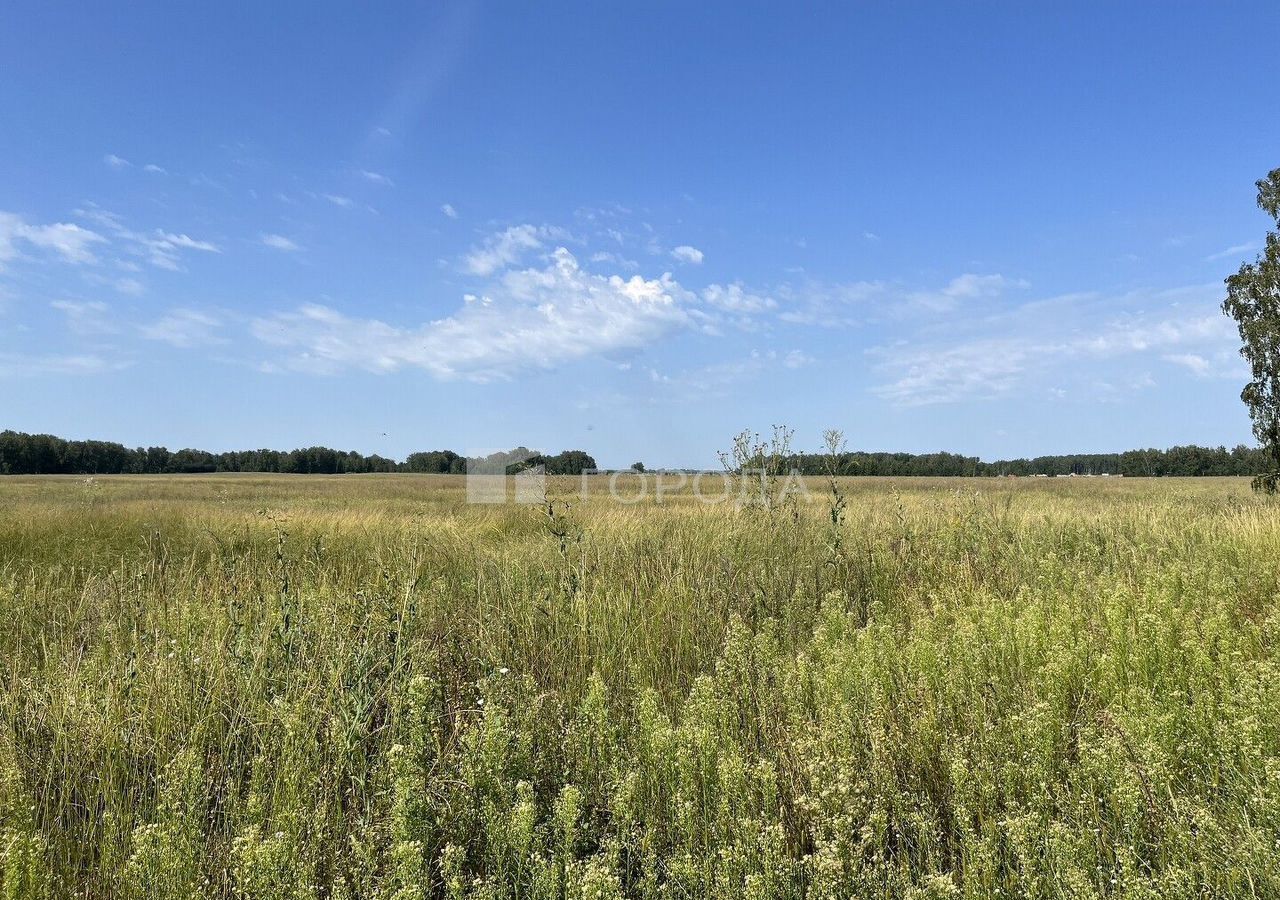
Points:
(362, 687)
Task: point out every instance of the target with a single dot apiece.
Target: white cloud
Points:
(127, 286)
(154, 169)
(1237, 250)
(1193, 361)
(506, 248)
(965, 287)
(279, 242)
(1224, 362)
(131, 286)
(86, 318)
(376, 178)
(169, 241)
(991, 366)
(833, 305)
(18, 365)
(448, 210)
(604, 256)
(943, 375)
(797, 359)
(736, 299)
(161, 248)
(184, 328)
(337, 200)
(71, 242)
(116, 162)
(686, 254)
(715, 379)
(844, 304)
(527, 320)
(1135, 336)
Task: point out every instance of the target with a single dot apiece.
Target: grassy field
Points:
(311, 687)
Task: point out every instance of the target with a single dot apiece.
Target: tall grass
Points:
(362, 687)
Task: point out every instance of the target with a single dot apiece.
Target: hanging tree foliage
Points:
(1253, 300)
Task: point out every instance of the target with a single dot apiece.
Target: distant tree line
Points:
(44, 454)
(1176, 461)
(446, 462)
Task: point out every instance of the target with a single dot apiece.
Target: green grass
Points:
(275, 687)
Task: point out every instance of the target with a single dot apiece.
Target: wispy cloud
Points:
(832, 305)
(734, 298)
(686, 254)
(993, 365)
(616, 259)
(68, 241)
(1193, 361)
(131, 286)
(279, 242)
(339, 200)
(716, 379)
(845, 304)
(160, 248)
(527, 320)
(170, 241)
(1222, 363)
(119, 162)
(376, 178)
(966, 287)
(1237, 250)
(15, 365)
(128, 285)
(448, 210)
(977, 368)
(506, 248)
(71, 242)
(184, 328)
(86, 318)
(162, 251)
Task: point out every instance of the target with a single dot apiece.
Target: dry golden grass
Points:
(362, 686)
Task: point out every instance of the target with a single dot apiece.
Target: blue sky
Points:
(997, 229)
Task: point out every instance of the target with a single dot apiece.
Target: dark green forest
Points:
(1188, 460)
(43, 454)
